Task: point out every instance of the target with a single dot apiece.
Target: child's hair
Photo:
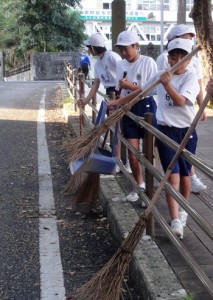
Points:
(98, 50)
(178, 51)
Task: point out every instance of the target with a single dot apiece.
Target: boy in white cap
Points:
(104, 72)
(183, 31)
(175, 112)
(139, 69)
(104, 69)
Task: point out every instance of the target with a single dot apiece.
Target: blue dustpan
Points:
(101, 161)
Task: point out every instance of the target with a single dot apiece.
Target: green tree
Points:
(40, 25)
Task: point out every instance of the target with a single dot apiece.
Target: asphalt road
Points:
(47, 249)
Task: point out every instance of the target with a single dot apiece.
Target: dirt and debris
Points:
(85, 240)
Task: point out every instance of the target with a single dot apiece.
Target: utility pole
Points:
(181, 15)
(118, 20)
(161, 26)
(1, 65)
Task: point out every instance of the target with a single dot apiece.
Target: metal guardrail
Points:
(72, 78)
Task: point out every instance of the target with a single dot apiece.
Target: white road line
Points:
(51, 273)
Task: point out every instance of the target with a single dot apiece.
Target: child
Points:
(183, 31)
(104, 72)
(104, 69)
(176, 97)
(139, 69)
(84, 65)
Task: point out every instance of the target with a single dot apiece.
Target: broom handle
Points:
(177, 154)
(80, 119)
(128, 106)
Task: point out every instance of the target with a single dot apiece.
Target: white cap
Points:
(178, 31)
(95, 40)
(126, 38)
(184, 44)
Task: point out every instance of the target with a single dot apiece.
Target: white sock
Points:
(194, 176)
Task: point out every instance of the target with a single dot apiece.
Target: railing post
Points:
(81, 89)
(148, 145)
(111, 96)
(73, 81)
(75, 90)
(94, 102)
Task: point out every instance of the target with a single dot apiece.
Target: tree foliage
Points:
(40, 25)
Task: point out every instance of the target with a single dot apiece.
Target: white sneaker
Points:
(133, 196)
(127, 166)
(197, 185)
(177, 228)
(183, 217)
(117, 170)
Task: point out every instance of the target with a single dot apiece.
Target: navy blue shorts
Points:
(166, 154)
(130, 129)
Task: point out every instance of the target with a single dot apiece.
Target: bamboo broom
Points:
(107, 283)
(87, 142)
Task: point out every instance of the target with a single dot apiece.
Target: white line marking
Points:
(51, 273)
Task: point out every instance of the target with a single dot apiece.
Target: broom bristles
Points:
(107, 283)
(84, 188)
(88, 142)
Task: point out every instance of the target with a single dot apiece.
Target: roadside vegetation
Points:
(39, 25)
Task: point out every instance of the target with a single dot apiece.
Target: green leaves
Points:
(40, 25)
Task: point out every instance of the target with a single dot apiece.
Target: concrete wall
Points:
(50, 66)
(24, 76)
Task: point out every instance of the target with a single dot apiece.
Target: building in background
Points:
(143, 16)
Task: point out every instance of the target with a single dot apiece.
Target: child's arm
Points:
(121, 101)
(176, 97)
(92, 92)
(125, 83)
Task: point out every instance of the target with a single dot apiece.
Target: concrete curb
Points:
(153, 277)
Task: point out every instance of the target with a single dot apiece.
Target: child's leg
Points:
(185, 186)
(134, 163)
(174, 180)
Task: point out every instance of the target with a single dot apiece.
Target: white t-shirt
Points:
(168, 113)
(105, 68)
(194, 66)
(138, 72)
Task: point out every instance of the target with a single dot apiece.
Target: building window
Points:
(153, 5)
(105, 5)
(189, 4)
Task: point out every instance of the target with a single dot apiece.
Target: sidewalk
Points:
(158, 270)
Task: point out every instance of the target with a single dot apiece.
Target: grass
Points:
(188, 297)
